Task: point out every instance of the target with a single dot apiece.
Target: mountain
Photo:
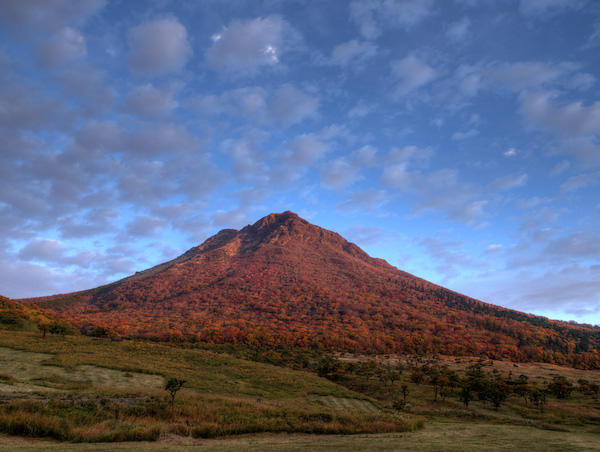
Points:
(284, 281)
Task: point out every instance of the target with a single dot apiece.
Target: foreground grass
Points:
(74, 398)
(438, 437)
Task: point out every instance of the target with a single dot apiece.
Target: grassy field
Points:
(75, 388)
(435, 437)
(94, 392)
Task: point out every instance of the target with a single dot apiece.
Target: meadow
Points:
(74, 388)
(76, 393)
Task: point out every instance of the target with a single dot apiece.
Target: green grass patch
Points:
(102, 394)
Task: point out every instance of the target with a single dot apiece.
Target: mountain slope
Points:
(23, 317)
(286, 281)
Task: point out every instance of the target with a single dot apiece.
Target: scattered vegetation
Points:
(222, 395)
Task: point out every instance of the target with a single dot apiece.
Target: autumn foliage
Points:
(284, 281)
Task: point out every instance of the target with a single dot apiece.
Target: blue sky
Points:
(457, 139)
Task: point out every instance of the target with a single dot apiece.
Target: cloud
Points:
(373, 15)
(235, 218)
(148, 102)
(580, 181)
(510, 153)
(146, 226)
(366, 235)
(459, 136)
(508, 182)
(557, 293)
(87, 88)
(448, 255)
(576, 245)
(459, 30)
(62, 47)
(412, 73)
(53, 252)
(243, 48)
(286, 105)
(559, 168)
(523, 75)
(339, 174)
(575, 118)
(398, 176)
(353, 51)
(541, 7)
(586, 149)
(360, 110)
(528, 204)
(363, 201)
(248, 163)
(161, 138)
(305, 149)
(49, 15)
(158, 47)
(291, 105)
(492, 249)
(443, 191)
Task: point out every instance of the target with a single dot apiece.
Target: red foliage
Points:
(285, 281)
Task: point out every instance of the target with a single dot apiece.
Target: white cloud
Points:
(492, 249)
(586, 149)
(459, 30)
(459, 136)
(305, 149)
(523, 75)
(161, 139)
(243, 48)
(412, 73)
(509, 182)
(363, 201)
(365, 235)
(149, 102)
(360, 110)
(559, 168)
(50, 15)
(66, 45)
(53, 252)
(536, 7)
(339, 174)
(87, 87)
(146, 226)
(541, 110)
(291, 105)
(158, 47)
(373, 15)
(398, 176)
(510, 153)
(581, 181)
(353, 51)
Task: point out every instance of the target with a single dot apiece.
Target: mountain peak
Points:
(286, 218)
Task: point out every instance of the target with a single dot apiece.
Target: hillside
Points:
(283, 281)
(17, 316)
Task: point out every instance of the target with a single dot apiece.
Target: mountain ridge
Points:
(285, 281)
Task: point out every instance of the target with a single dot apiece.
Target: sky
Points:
(457, 139)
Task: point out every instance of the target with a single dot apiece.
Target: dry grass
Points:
(36, 369)
(436, 437)
(222, 396)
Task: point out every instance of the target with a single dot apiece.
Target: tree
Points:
(538, 398)
(173, 385)
(465, 395)
(560, 387)
(44, 327)
(498, 394)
